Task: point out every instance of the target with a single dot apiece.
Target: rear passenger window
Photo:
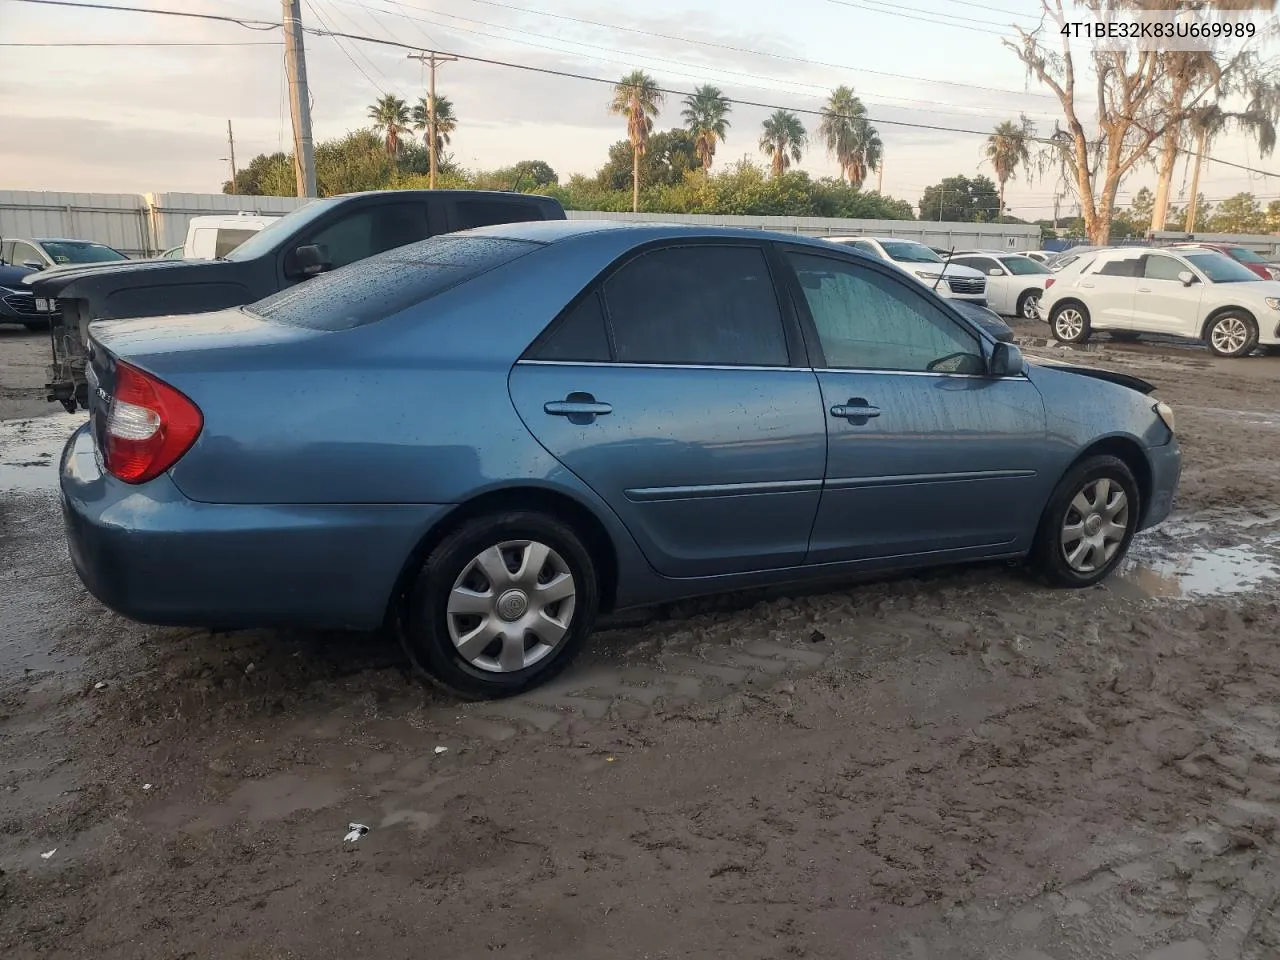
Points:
(484, 213)
(579, 335)
(703, 305)
(1120, 268)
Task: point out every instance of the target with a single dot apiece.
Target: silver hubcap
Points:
(1031, 308)
(1230, 334)
(1069, 324)
(511, 606)
(1095, 526)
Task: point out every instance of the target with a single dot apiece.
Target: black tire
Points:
(1232, 320)
(1049, 553)
(1021, 309)
(425, 621)
(1059, 316)
(1125, 336)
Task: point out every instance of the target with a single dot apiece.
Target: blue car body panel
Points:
(328, 456)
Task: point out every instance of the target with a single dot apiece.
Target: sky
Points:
(136, 116)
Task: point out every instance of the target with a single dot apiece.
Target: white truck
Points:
(213, 237)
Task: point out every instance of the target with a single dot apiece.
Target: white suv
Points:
(954, 281)
(1199, 294)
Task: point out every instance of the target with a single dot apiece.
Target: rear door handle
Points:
(1144, 289)
(580, 408)
(1089, 285)
(856, 409)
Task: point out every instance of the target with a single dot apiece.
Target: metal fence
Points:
(146, 224)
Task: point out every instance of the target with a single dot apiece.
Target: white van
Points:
(213, 237)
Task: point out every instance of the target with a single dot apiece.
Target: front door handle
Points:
(580, 408)
(856, 411)
(1089, 285)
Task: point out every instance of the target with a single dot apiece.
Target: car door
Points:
(678, 390)
(997, 283)
(926, 453)
(1108, 288)
(1163, 304)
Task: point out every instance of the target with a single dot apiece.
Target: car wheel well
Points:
(565, 509)
(1222, 312)
(1069, 302)
(1130, 451)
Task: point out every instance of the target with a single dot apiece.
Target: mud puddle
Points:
(29, 451)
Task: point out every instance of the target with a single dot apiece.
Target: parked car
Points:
(1195, 293)
(947, 279)
(173, 253)
(1039, 256)
(321, 236)
(1243, 255)
(1014, 281)
(213, 237)
(17, 305)
(46, 253)
(1071, 255)
(487, 439)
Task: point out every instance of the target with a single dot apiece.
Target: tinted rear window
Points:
(370, 290)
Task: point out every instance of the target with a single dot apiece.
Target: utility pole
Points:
(880, 176)
(295, 64)
(942, 192)
(432, 59)
(231, 143)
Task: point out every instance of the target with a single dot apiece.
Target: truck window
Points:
(372, 230)
(228, 240)
(484, 213)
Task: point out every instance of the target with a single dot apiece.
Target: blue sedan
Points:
(488, 438)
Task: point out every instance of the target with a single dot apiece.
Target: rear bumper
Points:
(1166, 471)
(151, 554)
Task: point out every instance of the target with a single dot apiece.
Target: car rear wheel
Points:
(1029, 305)
(501, 605)
(1070, 323)
(1232, 335)
(1088, 524)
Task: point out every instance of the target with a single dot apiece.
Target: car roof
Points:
(555, 231)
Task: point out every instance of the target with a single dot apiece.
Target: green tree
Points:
(668, 154)
(390, 118)
(1141, 210)
(961, 200)
(782, 140)
(1179, 217)
(706, 113)
(355, 162)
(1239, 214)
(637, 97)
(1007, 149)
(849, 135)
(1273, 216)
(267, 175)
(446, 122)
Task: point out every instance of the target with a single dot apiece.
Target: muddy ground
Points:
(958, 765)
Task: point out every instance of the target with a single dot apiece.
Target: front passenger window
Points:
(1163, 268)
(868, 321)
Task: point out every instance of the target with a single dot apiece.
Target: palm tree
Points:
(446, 122)
(706, 112)
(390, 117)
(839, 128)
(783, 140)
(1258, 120)
(1007, 149)
(637, 97)
(868, 151)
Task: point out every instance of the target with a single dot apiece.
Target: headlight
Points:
(1165, 413)
(1273, 303)
(923, 275)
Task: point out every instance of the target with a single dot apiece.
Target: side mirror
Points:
(1187, 278)
(995, 272)
(308, 260)
(33, 264)
(1006, 360)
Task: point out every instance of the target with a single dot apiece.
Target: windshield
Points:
(1245, 255)
(265, 240)
(80, 251)
(1220, 268)
(908, 252)
(1021, 266)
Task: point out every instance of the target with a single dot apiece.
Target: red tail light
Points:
(149, 427)
(1048, 282)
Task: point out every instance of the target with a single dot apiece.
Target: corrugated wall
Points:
(146, 225)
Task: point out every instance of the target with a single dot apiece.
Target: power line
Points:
(372, 82)
(239, 21)
(149, 43)
(908, 16)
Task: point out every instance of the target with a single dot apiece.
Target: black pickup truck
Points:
(323, 235)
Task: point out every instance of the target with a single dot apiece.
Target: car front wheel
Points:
(1029, 305)
(503, 604)
(1070, 323)
(1232, 335)
(1088, 524)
